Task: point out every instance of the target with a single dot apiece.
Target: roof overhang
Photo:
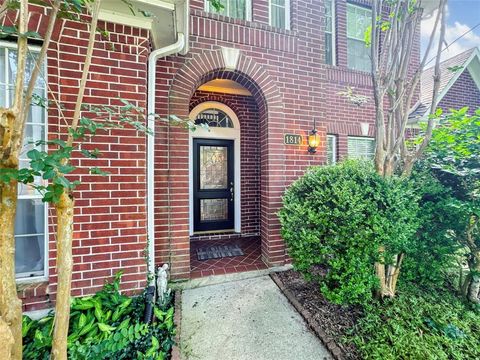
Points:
(163, 18)
(472, 65)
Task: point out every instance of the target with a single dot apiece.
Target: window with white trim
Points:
(331, 149)
(280, 14)
(361, 147)
(330, 32)
(31, 219)
(238, 9)
(358, 54)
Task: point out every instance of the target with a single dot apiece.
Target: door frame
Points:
(221, 134)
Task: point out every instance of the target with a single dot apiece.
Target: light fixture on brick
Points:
(313, 139)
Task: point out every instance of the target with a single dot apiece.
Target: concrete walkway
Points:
(247, 319)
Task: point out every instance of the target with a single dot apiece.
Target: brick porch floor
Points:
(252, 260)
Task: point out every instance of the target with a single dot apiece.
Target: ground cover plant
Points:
(107, 325)
(419, 324)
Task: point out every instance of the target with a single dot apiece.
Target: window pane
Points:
(29, 255)
(331, 149)
(30, 218)
(358, 55)
(30, 64)
(213, 209)
(328, 16)
(2, 66)
(361, 148)
(233, 8)
(214, 118)
(358, 20)
(328, 49)
(237, 9)
(278, 16)
(213, 167)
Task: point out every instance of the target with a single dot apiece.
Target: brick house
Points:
(459, 85)
(262, 74)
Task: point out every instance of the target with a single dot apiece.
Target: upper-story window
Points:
(358, 20)
(31, 218)
(280, 14)
(330, 32)
(238, 9)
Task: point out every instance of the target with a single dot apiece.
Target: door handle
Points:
(232, 191)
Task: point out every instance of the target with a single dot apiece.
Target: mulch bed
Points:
(329, 321)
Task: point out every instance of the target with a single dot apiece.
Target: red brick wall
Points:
(246, 110)
(110, 212)
(464, 92)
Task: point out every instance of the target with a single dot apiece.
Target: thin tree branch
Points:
(21, 57)
(436, 85)
(86, 69)
(38, 66)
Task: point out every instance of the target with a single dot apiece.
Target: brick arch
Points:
(197, 70)
(209, 65)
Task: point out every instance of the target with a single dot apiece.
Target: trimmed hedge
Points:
(334, 218)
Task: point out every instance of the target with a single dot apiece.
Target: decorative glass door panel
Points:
(213, 185)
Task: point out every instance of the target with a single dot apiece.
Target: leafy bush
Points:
(435, 252)
(337, 217)
(106, 325)
(419, 325)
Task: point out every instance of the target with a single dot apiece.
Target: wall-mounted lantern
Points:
(313, 139)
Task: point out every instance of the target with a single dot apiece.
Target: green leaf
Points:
(62, 181)
(105, 328)
(82, 321)
(35, 155)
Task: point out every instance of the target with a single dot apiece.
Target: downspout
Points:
(175, 48)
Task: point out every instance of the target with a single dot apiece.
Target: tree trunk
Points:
(10, 305)
(6, 339)
(64, 210)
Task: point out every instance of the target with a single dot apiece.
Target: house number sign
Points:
(292, 139)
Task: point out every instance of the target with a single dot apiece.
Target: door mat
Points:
(219, 251)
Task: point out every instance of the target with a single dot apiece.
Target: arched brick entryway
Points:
(201, 68)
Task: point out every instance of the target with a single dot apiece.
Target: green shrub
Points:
(435, 253)
(427, 325)
(337, 217)
(106, 325)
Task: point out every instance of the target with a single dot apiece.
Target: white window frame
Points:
(334, 34)
(371, 139)
(286, 8)
(10, 45)
(334, 155)
(248, 10)
(217, 133)
(352, 38)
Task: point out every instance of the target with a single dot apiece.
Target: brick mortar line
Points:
(330, 344)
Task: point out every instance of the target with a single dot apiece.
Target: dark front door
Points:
(213, 185)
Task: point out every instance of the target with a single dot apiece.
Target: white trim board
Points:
(216, 133)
